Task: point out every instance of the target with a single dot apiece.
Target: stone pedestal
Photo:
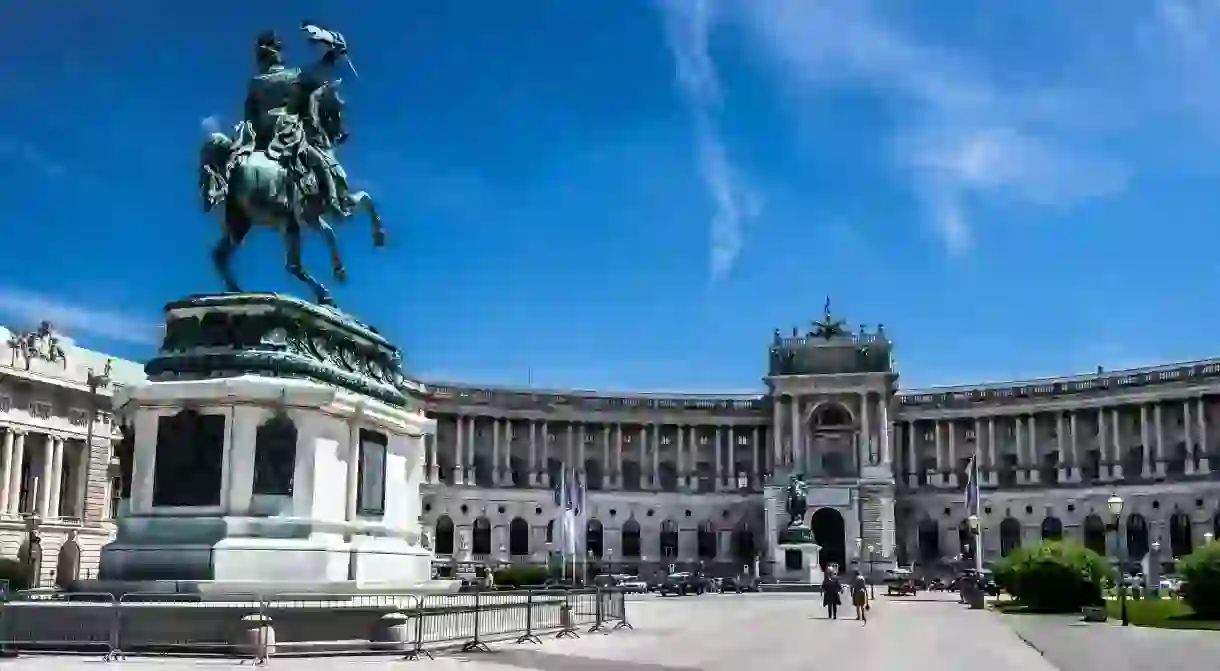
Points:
(276, 444)
(810, 570)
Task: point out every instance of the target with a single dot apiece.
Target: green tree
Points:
(1054, 576)
(1201, 573)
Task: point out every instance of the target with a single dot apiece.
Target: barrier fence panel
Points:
(158, 623)
(252, 627)
(82, 622)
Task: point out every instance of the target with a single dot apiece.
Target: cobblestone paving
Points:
(717, 633)
(1072, 645)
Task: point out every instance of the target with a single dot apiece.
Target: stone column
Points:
(1204, 449)
(1061, 473)
(642, 456)
(731, 480)
(544, 466)
(609, 466)
(1019, 435)
(508, 453)
(951, 477)
(459, 449)
(48, 476)
(912, 456)
(692, 458)
(1158, 467)
(1035, 458)
(887, 433)
(533, 467)
(993, 474)
(1146, 440)
(1116, 448)
(656, 459)
(798, 449)
(777, 430)
(719, 467)
(942, 478)
(866, 432)
(680, 466)
(1074, 472)
(6, 463)
(581, 438)
(496, 475)
(1103, 446)
(14, 480)
(472, 476)
(755, 464)
(1188, 437)
(569, 453)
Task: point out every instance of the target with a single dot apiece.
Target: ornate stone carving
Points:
(274, 335)
(40, 343)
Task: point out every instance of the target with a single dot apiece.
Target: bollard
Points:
(392, 632)
(258, 638)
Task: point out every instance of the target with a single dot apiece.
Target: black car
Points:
(681, 584)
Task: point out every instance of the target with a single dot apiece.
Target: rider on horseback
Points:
(279, 109)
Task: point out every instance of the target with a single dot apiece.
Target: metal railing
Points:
(257, 627)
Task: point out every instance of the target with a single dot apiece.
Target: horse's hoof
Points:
(379, 239)
(340, 274)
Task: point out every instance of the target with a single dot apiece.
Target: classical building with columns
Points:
(57, 480)
(696, 480)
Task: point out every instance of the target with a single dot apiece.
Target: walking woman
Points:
(831, 589)
(859, 597)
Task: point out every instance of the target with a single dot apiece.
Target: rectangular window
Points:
(116, 494)
(77, 417)
(5, 403)
(40, 410)
(370, 486)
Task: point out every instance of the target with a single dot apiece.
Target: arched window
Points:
(706, 540)
(1010, 536)
(482, 537)
(669, 539)
(929, 540)
(593, 537)
(1095, 534)
(744, 548)
(518, 537)
(1052, 528)
(1180, 541)
(444, 535)
(631, 539)
(1137, 537)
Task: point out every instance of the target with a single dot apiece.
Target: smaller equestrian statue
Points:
(797, 502)
(280, 169)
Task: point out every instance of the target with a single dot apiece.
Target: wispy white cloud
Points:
(960, 135)
(210, 124)
(25, 308)
(735, 203)
(30, 156)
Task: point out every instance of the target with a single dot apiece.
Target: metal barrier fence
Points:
(259, 627)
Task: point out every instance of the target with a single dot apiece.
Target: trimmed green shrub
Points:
(521, 576)
(1054, 576)
(1201, 572)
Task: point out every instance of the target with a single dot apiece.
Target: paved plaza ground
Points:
(786, 631)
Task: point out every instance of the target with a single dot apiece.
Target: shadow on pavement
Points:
(545, 661)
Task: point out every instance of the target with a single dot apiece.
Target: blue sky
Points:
(631, 194)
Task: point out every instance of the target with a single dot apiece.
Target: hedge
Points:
(1054, 576)
(521, 576)
(1201, 575)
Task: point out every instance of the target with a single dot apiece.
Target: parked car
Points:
(738, 584)
(681, 584)
(633, 585)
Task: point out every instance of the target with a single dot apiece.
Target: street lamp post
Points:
(872, 593)
(1115, 506)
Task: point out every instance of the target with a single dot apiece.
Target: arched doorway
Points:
(1010, 536)
(481, 541)
(929, 541)
(829, 531)
(1137, 537)
(744, 549)
(1180, 541)
(1095, 534)
(669, 540)
(593, 538)
(518, 537)
(444, 535)
(1052, 528)
(705, 541)
(963, 539)
(630, 540)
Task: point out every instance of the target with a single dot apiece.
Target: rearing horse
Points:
(260, 190)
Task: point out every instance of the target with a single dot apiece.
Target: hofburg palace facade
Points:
(696, 480)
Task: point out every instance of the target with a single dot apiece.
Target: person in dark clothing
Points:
(831, 595)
